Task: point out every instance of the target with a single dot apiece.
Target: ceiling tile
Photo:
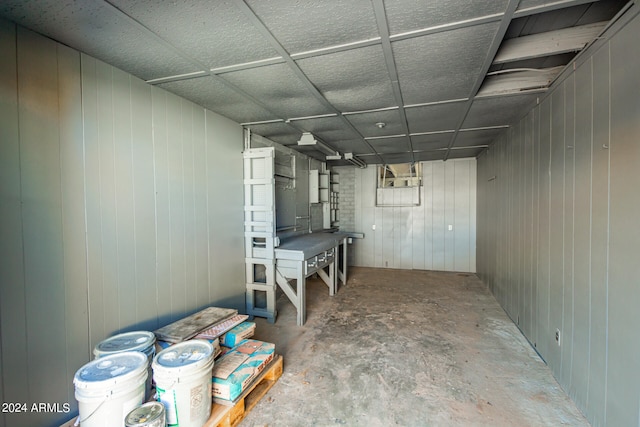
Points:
(102, 31)
(327, 128)
(428, 156)
(390, 145)
(213, 94)
(355, 146)
(465, 152)
(410, 15)
(217, 34)
(504, 110)
(431, 142)
(278, 86)
(477, 137)
(313, 25)
(433, 118)
(391, 159)
(442, 66)
(365, 123)
(352, 80)
(280, 132)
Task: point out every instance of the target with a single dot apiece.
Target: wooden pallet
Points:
(230, 416)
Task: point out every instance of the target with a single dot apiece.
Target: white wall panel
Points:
(418, 236)
(623, 357)
(580, 217)
(112, 216)
(13, 321)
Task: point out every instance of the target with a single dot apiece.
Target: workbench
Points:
(301, 256)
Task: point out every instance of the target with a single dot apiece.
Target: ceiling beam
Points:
(548, 7)
(495, 45)
(549, 43)
(518, 81)
(383, 30)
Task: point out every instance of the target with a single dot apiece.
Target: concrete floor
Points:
(408, 348)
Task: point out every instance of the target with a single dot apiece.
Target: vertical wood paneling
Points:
(556, 225)
(427, 182)
(144, 205)
(449, 216)
(599, 236)
(123, 179)
(88, 191)
(108, 207)
(525, 318)
(162, 205)
(581, 360)
(417, 236)
(473, 214)
(189, 191)
(418, 232)
(176, 172)
(544, 251)
(97, 328)
(224, 141)
(13, 322)
(201, 255)
(438, 214)
(536, 226)
(73, 214)
(42, 217)
(584, 236)
(462, 216)
(623, 376)
(567, 317)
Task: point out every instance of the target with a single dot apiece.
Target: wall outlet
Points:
(558, 337)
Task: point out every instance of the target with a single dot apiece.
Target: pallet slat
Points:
(230, 416)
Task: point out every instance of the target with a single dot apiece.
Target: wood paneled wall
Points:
(120, 209)
(418, 237)
(557, 227)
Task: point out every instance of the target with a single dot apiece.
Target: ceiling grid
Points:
(389, 81)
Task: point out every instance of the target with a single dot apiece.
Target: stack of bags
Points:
(238, 359)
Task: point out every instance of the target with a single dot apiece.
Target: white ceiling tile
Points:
(353, 80)
(215, 33)
(305, 26)
(442, 66)
(217, 97)
(432, 118)
(278, 86)
(410, 15)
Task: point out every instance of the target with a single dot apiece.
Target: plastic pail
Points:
(182, 374)
(143, 341)
(107, 389)
(150, 414)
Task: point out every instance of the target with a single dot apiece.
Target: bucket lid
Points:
(185, 356)
(129, 341)
(111, 370)
(145, 415)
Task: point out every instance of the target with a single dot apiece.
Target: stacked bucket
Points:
(112, 388)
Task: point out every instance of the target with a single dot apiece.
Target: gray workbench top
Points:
(307, 245)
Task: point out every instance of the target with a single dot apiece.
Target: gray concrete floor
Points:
(408, 348)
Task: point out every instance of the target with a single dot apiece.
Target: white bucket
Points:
(107, 389)
(183, 375)
(150, 414)
(143, 341)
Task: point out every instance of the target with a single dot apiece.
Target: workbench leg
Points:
(344, 261)
(301, 296)
(333, 277)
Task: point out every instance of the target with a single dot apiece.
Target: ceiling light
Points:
(349, 157)
(380, 125)
(307, 138)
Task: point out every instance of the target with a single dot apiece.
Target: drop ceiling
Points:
(389, 81)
